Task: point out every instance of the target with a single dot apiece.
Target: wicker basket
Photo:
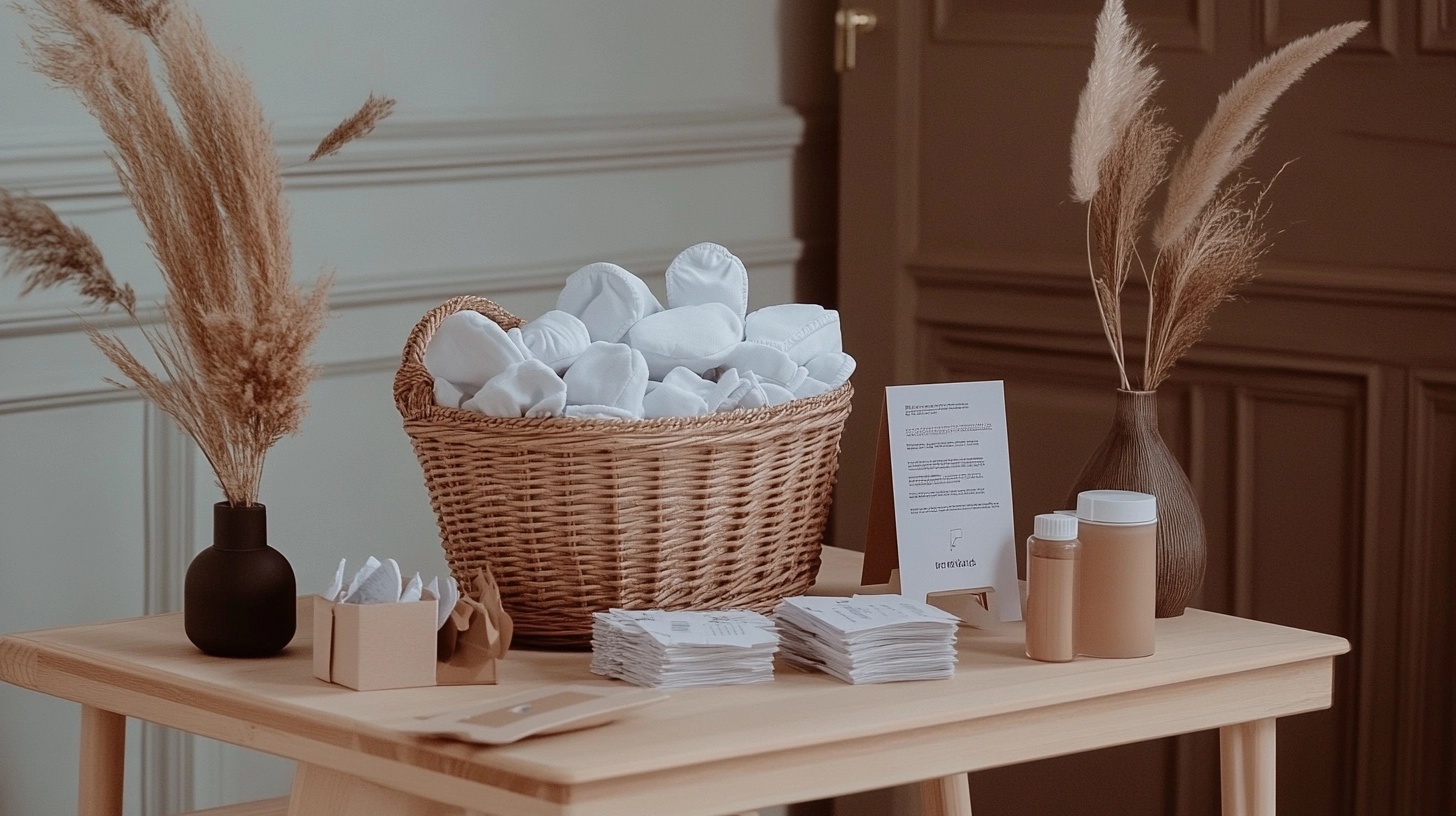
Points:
(574, 516)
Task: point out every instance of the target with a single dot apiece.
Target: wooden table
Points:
(704, 752)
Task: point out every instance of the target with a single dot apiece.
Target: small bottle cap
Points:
(1055, 527)
(1117, 506)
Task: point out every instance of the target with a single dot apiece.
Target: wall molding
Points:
(1438, 26)
(424, 287)
(1431, 402)
(442, 147)
(1067, 274)
(953, 23)
(402, 286)
(1381, 37)
(168, 473)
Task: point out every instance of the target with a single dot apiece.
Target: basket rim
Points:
(412, 377)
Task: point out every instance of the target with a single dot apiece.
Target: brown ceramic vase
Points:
(1133, 457)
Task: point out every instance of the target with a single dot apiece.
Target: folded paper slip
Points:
(868, 638)
(662, 649)
(368, 647)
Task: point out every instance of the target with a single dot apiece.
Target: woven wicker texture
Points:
(575, 516)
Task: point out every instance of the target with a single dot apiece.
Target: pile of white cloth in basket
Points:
(609, 350)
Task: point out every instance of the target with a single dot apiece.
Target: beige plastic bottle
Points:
(1051, 588)
(1117, 575)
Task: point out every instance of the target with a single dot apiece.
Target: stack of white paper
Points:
(868, 638)
(679, 649)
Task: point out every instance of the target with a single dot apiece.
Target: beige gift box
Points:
(368, 647)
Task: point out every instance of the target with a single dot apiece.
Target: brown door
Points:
(1317, 420)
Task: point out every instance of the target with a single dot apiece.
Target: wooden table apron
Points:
(710, 751)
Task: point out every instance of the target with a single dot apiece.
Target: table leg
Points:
(946, 796)
(103, 762)
(322, 792)
(1246, 759)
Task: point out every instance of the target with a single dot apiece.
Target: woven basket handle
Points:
(414, 388)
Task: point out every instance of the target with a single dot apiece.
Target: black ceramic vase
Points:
(239, 597)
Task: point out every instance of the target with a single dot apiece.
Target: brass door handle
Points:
(848, 23)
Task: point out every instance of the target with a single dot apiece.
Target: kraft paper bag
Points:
(475, 635)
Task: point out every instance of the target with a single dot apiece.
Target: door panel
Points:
(1314, 420)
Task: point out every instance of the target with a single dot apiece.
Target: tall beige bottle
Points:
(1117, 573)
(1051, 588)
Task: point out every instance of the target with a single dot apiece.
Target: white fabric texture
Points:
(770, 364)
(708, 273)
(468, 349)
(608, 299)
(447, 394)
(599, 412)
(811, 388)
(610, 350)
(832, 368)
(556, 338)
(666, 400)
(696, 337)
(740, 391)
(527, 389)
(608, 374)
(777, 394)
(801, 330)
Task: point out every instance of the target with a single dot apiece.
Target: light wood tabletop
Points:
(707, 752)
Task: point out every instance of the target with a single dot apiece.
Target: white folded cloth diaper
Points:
(832, 368)
(746, 391)
(770, 364)
(608, 299)
(527, 389)
(447, 394)
(468, 349)
(610, 375)
(610, 351)
(696, 337)
(708, 273)
(730, 391)
(556, 338)
(599, 412)
(667, 400)
(801, 330)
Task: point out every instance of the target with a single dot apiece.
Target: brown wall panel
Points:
(1438, 26)
(1286, 20)
(1186, 24)
(1426, 764)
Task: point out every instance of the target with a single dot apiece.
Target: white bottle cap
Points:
(1055, 527)
(1117, 506)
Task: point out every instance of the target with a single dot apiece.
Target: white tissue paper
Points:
(381, 582)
